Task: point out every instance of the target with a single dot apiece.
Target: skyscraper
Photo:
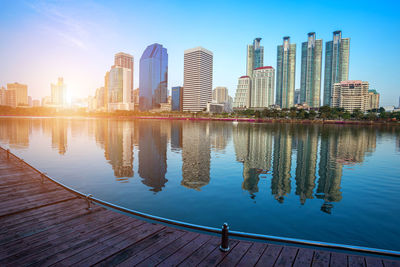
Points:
(176, 98)
(336, 63)
(242, 96)
(153, 73)
(59, 92)
(124, 60)
(262, 89)
(255, 56)
(21, 93)
(285, 78)
(119, 84)
(311, 62)
(197, 79)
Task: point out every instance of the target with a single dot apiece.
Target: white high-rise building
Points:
(119, 89)
(242, 96)
(197, 79)
(262, 88)
(59, 93)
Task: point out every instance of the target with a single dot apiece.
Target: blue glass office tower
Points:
(337, 54)
(177, 98)
(153, 77)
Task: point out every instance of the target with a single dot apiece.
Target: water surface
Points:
(318, 182)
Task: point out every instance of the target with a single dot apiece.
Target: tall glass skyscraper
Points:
(285, 78)
(255, 56)
(153, 77)
(311, 63)
(337, 54)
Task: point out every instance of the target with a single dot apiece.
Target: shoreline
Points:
(237, 119)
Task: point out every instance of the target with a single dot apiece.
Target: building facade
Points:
(255, 56)
(373, 100)
(177, 98)
(285, 73)
(119, 89)
(311, 63)
(153, 77)
(21, 93)
(124, 60)
(350, 95)
(197, 79)
(220, 95)
(337, 54)
(262, 89)
(59, 93)
(242, 96)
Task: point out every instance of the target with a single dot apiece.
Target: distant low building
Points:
(373, 100)
(215, 108)
(36, 103)
(21, 93)
(350, 95)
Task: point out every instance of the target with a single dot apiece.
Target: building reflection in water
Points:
(282, 161)
(307, 144)
(253, 147)
(153, 141)
(195, 155)
(265, 150)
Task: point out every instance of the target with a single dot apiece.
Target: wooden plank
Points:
(41, 215)
(338, 259)
(130, 251)
(114, 245)
(287, 256)
(40, 224)
(356, 261)
(252, 255)
(270, 255)
(171, 235)
(81, 224)
(236, 254)
(165, 252)
(304, 257)
(202, 252)
(186, 251)
(391, 263)
(63, 246)
(373, 262)
(82, 247)
(34, 202)
(17, 218)
(216, 256)
(321, 258)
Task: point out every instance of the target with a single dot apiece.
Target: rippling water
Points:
(326, 183)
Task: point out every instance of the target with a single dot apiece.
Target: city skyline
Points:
(66, 50)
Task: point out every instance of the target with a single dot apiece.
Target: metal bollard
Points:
(88, 201)
(224, 238)
(8, 153)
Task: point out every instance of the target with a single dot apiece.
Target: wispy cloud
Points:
(64, 21)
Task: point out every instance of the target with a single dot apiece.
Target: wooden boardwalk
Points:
(44, 224)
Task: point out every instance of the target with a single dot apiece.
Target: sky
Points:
(77, 40)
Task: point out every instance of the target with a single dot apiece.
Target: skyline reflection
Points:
(304, 160)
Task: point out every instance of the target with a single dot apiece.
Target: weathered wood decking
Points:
(43, 224)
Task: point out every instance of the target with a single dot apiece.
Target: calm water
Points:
(327, 183)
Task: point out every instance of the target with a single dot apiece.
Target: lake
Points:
(331, 183)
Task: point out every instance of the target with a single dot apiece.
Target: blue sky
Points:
(78, 39)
